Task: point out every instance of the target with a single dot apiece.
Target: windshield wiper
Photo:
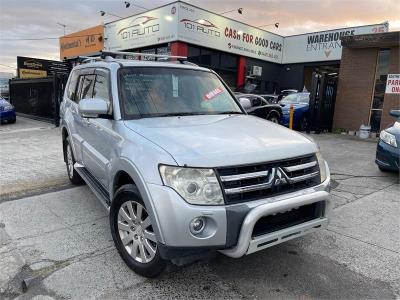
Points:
(179, 114)
(230, 113)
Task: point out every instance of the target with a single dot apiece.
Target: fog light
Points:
(197, 225)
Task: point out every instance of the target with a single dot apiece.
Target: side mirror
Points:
(92, 107)
(395, 113)
(245, 103)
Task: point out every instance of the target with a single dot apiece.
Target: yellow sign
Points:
(83, 42)
(29, 73)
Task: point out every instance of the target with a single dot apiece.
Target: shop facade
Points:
(238, 52)
(362, 95)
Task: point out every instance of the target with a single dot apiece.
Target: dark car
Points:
(388, 149)
(271, 98)
(300, 102)
(260, 107)
(7, 112)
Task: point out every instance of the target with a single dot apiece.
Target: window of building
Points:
(382, 69)
(222, 63)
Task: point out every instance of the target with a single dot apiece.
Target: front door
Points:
(98, 134)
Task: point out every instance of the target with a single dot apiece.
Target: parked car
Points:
(285, 93)
(388, 149)
(300, 102)
(180, 166)
(7, 112)
(262, 108)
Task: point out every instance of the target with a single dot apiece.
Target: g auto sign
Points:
(153, 27)
(393, 84)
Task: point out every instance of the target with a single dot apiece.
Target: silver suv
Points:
(181, 167)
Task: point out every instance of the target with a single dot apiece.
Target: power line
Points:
(48, 38)
(8, 66)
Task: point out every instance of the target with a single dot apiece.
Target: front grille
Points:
(257, 181)
(288, 219)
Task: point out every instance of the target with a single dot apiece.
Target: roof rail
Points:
(181, 59)
(88, 59)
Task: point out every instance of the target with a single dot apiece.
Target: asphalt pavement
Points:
(55, 240)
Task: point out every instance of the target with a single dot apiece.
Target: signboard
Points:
(324, 45)
(28, 67)
(83, 42)
(393, 84)
(200, 27)
(152, 27)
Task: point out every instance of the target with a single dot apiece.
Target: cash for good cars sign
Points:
(200, 27)
(152, 27)
(324, 45)
(393, 84)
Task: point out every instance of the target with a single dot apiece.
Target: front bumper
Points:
(7, 115)
(387, 156)
(231, 226)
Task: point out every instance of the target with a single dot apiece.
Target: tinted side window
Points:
(86, 90)
(101, 89)
(71, 90)
(256, 102)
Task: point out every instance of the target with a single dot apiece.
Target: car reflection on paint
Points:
(388, 148)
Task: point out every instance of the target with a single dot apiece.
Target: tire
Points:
(133, 233)
(73, 175)
(274, 118)
(12, 121)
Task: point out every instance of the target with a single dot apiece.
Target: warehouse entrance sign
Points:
(323, 46)
(180, 21)
(393, 84)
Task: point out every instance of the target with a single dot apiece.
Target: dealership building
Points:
(238, 52)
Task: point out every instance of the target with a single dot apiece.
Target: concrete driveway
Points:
(58, 245)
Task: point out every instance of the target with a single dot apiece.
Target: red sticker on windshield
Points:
(215, 92)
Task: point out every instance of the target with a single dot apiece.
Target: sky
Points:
(22, 19)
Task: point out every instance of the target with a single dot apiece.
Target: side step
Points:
(94, 185)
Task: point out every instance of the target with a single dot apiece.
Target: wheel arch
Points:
(125, 172)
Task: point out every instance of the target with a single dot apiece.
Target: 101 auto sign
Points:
(204, 28)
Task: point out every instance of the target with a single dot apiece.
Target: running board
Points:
(94, 185)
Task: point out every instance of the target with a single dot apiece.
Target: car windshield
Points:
(296, 98)
(158, 92)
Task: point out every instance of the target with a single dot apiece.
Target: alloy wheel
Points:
(136, 232)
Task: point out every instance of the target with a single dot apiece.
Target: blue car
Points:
(300, 102)
(7, 112)
(388, 149)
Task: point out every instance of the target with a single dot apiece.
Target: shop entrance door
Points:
(322, 102)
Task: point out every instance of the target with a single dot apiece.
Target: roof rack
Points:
(109, 56)
(181, 59)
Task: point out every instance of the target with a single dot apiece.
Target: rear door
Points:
(74, 119)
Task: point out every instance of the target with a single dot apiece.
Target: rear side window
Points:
(71, 90)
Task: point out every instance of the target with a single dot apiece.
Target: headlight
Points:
(196, 186)
(8, 107)
(388, 138)
(322, 167)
